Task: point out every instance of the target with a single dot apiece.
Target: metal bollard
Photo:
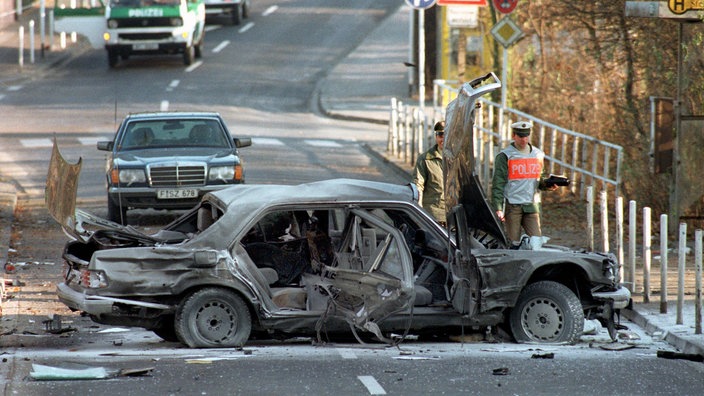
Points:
(647, 254)
(663, 263)
(698, 282)
(680, 271)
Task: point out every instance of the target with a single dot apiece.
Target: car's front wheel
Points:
(547, 312)
(213, 317)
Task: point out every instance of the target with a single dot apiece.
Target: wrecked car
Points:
(337, 255)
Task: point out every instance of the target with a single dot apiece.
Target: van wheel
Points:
(245, 10)
(236, 18)
(113, 57)
(213, 317)
(547, 312)
(188, 55)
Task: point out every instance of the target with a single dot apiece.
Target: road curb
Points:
(8, 201)
(676, 340)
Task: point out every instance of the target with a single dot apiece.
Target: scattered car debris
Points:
(416, 357)
(615, 346)
(695, 357)
(500, 371)
(548, 355)
(54, 326)
(42, 372)
(49, 373)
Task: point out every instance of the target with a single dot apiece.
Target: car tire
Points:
(236, 16)
(117, 213)
(547, 312)
(198, 50)
(113, 57)
(213, 317)
(245, 10)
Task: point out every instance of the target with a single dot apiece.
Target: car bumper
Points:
(98, 305)
(146, 198)
(148, 47)
(621, 297)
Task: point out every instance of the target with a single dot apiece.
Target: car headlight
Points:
(112, 24)
(176, 22)
(224, 173)
(130, 176)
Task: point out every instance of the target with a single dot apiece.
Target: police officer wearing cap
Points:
(428, 177)
(518, 178)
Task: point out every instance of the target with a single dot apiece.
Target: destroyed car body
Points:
(331, 256)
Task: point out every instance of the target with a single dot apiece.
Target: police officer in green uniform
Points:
(519, 176)
(428, 178)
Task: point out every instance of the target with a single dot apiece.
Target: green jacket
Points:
(427, 176)
(499, 182)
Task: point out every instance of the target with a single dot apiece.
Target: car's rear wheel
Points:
(213, 317)
(547, 312)
(117, 213)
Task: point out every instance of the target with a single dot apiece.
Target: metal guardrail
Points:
(586, 160)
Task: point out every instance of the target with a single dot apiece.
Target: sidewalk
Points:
(360, 88)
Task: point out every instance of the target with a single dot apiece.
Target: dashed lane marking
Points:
(221, 46)
(246, 27)
(323, 143)
(164, 106)
(36, 143)
(193, 66)
(371, 384)
(270, 10)
(267, 142)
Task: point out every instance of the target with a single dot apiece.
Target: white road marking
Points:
(172, 85)
(2, 96)
(267, 142)
(270, 10)
(323, 143)
(92, 141)
(193, 66)
(164, 105)
(210, 28)
(246, 27)
(34, 143)
(347, 354)
(13, 88)
(372, 386)
(221, 46)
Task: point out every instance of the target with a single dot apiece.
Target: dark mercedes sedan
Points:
(169, 160)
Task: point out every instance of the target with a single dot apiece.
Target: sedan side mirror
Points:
(105, 145)
(242, 142)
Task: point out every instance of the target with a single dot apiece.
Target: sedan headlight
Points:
(224, 173)
(128, 176)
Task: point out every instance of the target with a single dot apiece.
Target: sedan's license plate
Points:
(145, 46)
(177, 194)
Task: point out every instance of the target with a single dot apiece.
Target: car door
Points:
(372, 274)
(466, 279)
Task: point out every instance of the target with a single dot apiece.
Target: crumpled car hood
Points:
(462, 187)
(60, 199)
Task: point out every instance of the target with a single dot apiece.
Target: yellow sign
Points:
(682, 6)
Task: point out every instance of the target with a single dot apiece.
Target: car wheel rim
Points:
(216, 321)
(542, 319)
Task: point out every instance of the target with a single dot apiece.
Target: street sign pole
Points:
(421, 5)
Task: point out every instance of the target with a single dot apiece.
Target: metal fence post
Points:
(647, 254)
(619, 236)
(698, 282)
(590, 216)
(663, 263)
(680, 271)
(604, 221)
(632, 243)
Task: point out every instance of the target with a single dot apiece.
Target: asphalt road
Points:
(262, 78)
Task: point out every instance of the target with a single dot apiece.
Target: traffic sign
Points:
(420, 4)
(505, 6)
(481, 3)
(506, 32)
